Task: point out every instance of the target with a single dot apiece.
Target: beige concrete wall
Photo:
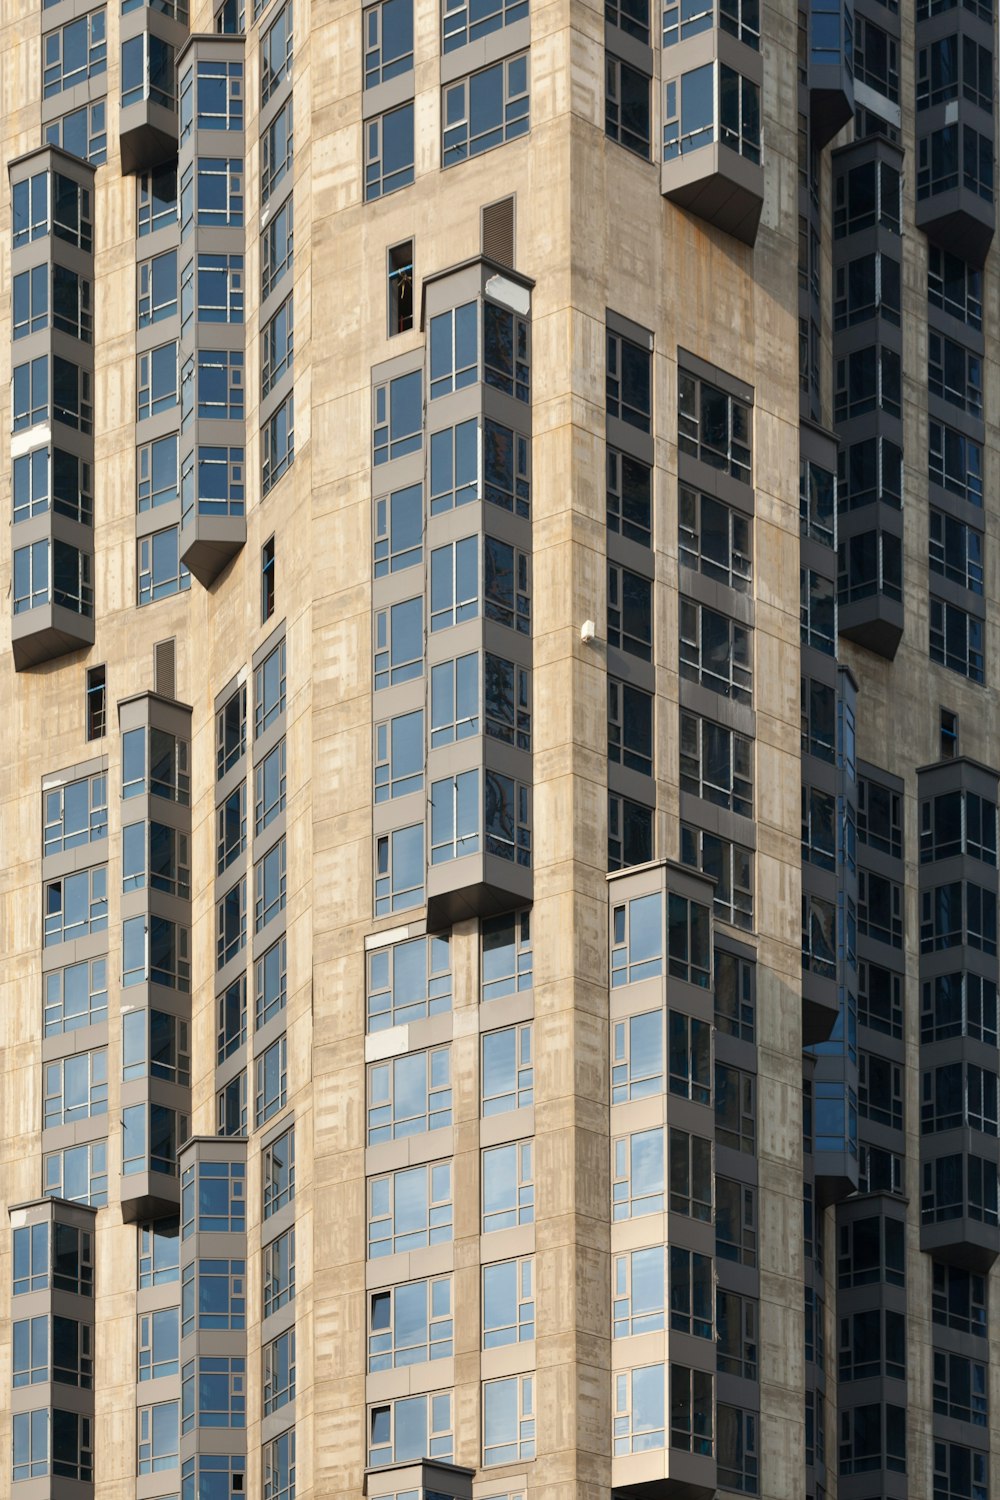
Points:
(593, 232)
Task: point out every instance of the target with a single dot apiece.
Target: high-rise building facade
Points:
(499, 869)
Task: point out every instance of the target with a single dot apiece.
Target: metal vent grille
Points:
(165, 669)
(498, 232)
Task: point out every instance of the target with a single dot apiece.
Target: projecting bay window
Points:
(148, 72)
(870, 470)
(639, 1414)
(868, 194)
(953, 65)
(955, 1186)
(713, 102)
(640, 1283)
(155, 951)
(959, 1004)
(866, 288)
(956, 913)
(869, 564)
(637, 1057)
(952, 155)
(151, 1136)
(958, 823)
(739, 18)
(867, 380)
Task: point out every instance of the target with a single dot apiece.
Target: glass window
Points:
(269, 689)
(630, 612)
(158, 1343)
(83, 132)
(277, 148)
(76, 52)
(409, 1094)
(411, 1427)
(407, 981)
(160, 571)
(159, 1252)
(279, 1272)
(715, 539)
(75, 814)
(507, 1077)
(639, 1291)
(485, 110)
(508, 1419)
(462, 23)
(637, 942)
(279, 1372)
(638, 1174)
(269, 788)
(278, 1161)
(31, 1260)
(409, 1209)
(398, 417)
(276, 248)
(278, 444)
(630, 832)
(399, 869)
(410, 1324)
(716, 764)
(270, 885)
(78, 1173)
(735, 1221)
(271, 981)
(271, 1093)
(75, 906)
(454, 467)
(628, 381)
(629, 497)
(276, 53)
(508, 1303)
(388, 41)
(454, 349)
(506, 955)
(717, 651)
(389, 152)
(508, 1186)
(639, 1412)
(506, 351)
(626, 106)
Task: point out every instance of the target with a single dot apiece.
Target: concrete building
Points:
(499, 882)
